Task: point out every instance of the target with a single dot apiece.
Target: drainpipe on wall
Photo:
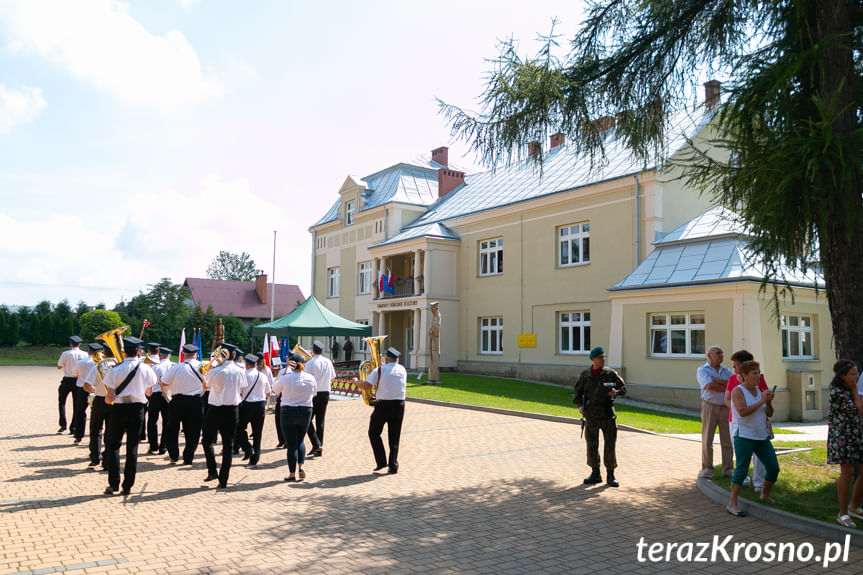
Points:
(314, 257)
(637, 226)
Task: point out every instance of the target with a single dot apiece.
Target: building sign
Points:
(527, 340)
(397, 304)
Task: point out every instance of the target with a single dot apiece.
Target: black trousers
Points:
(79, 412)
(157, 407)
(390, 412)
(278, 418)
(319, 413)
(100, 415)
(125, 419)
(67, 386)
(251, 412)
(221, 419)
(185, 410)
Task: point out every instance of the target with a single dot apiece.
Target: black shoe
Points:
(280, 446)
(211, 477)
(317, 452)
(378, 468)
(93, 464)
(222, 486)
(187, 463)
(393, 469)
(77, 440)
(153, 452)
(163, 451)
(174, 460)
(290, 479)
(110, 490)
(594, 478)
(253, 460)
(246, 456)
(61, 430)
(125, 492)
(237, 451)
(611, 481)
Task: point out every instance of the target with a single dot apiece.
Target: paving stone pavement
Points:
(476, 493)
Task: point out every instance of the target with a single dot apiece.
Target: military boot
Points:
(610, 480)
(594, 478)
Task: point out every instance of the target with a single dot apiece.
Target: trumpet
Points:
(219, 357)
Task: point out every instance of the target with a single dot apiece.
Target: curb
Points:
(525, 414)
(782, 518)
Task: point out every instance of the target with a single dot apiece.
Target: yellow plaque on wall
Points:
(527, 340)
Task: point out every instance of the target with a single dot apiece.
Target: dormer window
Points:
(349, 213)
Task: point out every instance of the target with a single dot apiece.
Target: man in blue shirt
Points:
(713, 378)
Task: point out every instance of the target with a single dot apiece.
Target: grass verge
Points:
(31, 354)
(806, 485)
(538, 398)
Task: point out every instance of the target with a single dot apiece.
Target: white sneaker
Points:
(757, 488)
(746, 482)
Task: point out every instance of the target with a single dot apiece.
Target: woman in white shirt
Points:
(297, 389)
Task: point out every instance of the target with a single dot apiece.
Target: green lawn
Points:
(31, 354)
(806, 484)
(537, 398)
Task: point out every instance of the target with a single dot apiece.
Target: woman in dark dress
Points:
(845, 438)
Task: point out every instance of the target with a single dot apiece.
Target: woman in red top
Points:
(737, 359)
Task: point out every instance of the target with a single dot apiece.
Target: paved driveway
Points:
(476, 493)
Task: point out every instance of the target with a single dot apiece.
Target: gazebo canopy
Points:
(312, 318)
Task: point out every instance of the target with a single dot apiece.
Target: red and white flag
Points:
(266, 350)
(274, 347)
(182, 343)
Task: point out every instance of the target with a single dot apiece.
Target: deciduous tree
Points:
(230, 266)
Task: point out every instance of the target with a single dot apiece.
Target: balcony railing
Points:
(402, 287)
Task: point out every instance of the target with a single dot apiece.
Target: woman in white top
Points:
(297, 389)
(750, 408)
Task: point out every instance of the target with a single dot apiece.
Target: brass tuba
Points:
(113, 338)
(375, 344)
(298, 349)
(218, 358)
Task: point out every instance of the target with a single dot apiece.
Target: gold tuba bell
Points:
(375, 344)
(302, 351)
(219, 356)
(113, 338)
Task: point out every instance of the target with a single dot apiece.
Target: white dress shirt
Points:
(82, 369)
(705, 375)
(259, 386)
(321, 368)
(393, 384)
(297, 389)
(226, 382)
(68, 360)
(161, 369)
(184, 378)
(136, 391)
(93, 378)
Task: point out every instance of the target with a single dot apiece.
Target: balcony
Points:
(402, 287)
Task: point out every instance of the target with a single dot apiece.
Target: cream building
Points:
(534, 268)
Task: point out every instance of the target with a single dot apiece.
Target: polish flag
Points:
(274, 347)
(182, 343)
(266, 350)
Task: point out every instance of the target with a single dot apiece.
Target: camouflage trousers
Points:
(609, 435)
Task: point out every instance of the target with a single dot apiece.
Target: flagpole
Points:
(273, 289)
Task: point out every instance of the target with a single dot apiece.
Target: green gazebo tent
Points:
(312, 318)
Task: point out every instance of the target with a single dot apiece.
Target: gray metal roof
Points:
(564, 168)
(433, 231)
(711, 248)
(406, 182)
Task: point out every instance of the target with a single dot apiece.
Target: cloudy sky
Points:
(139, 138)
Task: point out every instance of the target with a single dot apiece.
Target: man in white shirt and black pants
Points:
(253, 410)
(100, 413)
(79, 396)
(157, 407)
(128, 386)
(390, 380)
(321, 368)
(225, 382)
(68, 360)
(186, 384)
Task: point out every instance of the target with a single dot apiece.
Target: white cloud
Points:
(99, 42)
(18, 107)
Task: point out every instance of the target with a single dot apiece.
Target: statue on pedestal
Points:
(434, 344)
(218, 335)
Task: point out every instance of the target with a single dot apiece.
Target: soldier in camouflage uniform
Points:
(595, 391)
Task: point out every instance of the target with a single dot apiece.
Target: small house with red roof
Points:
(247, 301)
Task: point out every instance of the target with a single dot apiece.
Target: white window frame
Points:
(491, 335)
(363, 347)
(793, 332)
(568, 235)
(668, 324)
(569, 324)
(364, 278)
(349, 213)
(333, 282)
(491, 257)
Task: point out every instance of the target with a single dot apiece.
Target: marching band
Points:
(226, 397)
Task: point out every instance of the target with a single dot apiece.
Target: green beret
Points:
(596, 351)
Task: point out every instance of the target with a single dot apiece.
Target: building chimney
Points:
(261, 287)
(557, 140)
(440, 155)
(711, 93)
(533, 148)
(602, 124)
(447, 180)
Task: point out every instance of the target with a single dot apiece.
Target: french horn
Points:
(375, 343)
